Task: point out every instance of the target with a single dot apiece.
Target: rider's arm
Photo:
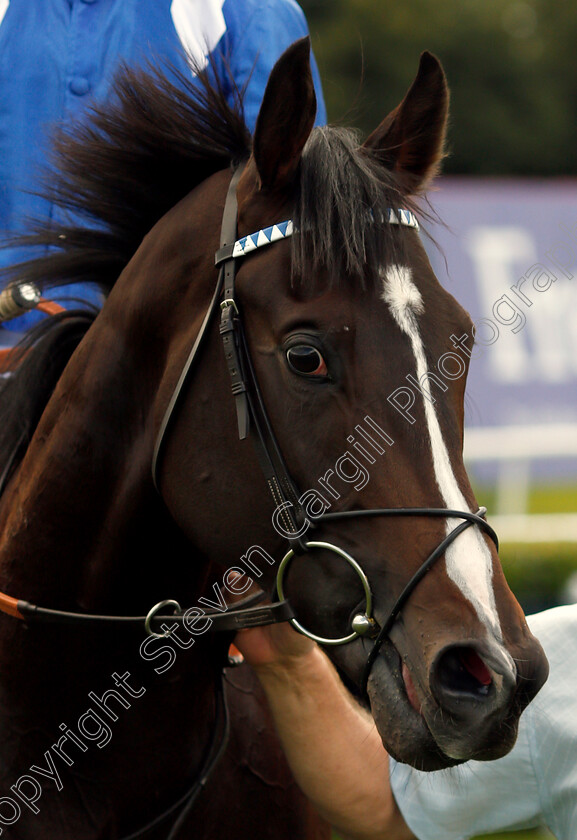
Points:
(331, 743)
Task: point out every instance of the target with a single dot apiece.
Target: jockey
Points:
(57, 57)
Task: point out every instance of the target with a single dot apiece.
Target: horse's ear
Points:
(410, 139)
(286, 117)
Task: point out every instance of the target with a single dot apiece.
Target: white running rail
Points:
(514, 448)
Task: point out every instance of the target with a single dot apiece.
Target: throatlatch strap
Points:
(168, 414)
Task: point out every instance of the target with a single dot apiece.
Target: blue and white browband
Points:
(283, 230)
(266, 236)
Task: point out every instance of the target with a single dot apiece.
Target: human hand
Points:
(273, 646)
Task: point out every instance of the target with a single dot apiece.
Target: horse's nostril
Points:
(460, 670)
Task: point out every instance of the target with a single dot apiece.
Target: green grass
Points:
(543, 497)
(508, 835)
(537, 573)
(519, 835)
(560, 498)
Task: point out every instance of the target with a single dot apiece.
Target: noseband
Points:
(252, 414)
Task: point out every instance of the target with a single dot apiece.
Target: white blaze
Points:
(468, 558)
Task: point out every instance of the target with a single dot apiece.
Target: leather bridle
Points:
(252, 417)
(252, 414)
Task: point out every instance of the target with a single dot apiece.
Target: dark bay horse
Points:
(325, 310)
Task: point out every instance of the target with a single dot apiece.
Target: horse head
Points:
(360, 358)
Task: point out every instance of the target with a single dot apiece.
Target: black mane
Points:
(342, 193)
(122, 168)
(117, 173)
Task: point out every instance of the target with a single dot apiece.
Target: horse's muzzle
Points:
(463, 703)
(472, 687)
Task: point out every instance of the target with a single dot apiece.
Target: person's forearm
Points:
(333, 748)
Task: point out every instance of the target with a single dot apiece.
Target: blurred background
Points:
(506, 245)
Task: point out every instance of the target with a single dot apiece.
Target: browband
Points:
(282, 230)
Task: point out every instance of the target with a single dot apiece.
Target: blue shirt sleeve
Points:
(257, 35)
(57, 58)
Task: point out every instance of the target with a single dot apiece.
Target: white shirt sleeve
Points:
(535, 784)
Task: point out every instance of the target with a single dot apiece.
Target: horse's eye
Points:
(306, 361)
